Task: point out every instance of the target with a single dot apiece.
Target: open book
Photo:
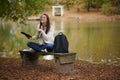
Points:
(27, 35)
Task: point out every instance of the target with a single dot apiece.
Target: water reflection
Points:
(59, 26)
(95, 42)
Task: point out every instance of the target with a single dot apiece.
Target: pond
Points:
(92, 41)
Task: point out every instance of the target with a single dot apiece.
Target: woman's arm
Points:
(47, 36)
(43, 34)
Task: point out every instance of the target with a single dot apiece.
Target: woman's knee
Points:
(49, 47)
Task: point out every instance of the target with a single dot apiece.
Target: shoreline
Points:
(81, 16)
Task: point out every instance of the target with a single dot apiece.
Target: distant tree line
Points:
(105, 6)
(18, 10)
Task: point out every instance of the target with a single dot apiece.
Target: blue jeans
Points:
(38, 47)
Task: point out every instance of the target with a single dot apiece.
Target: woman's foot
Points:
(44, 50)
(28, 50)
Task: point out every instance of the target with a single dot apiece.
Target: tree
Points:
(111, 7)
(20, 9)
(68, 2)
(88, 5)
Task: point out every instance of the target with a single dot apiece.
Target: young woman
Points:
(44, 32)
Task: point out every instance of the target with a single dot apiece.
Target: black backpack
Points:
(61, 43)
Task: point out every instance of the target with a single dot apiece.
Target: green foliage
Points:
(4, 8)
(106, 8)
(97, 3)
(109, 9)
(20, 9)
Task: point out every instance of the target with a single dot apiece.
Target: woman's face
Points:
(43, 19)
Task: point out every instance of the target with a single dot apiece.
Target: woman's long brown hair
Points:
(47, 25)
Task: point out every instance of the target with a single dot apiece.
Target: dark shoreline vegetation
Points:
(11, 69)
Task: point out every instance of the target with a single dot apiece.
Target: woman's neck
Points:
(44, 24)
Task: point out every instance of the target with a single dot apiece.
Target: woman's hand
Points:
(39, 30)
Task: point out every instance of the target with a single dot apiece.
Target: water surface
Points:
(92, 41)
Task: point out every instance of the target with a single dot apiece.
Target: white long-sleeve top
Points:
(44, 38)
